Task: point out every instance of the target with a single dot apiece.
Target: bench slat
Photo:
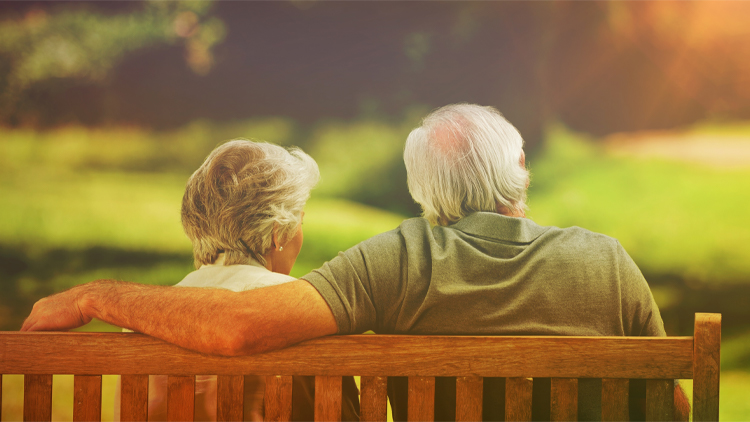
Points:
(37, 397)
(615, 396)
(564, 399)
(180, 398)
(518, 399)
(469, 398)
(134, 398)
(365, 355)
(1, 397)
(87, 398)
(706, 367)
(327, 398)
(421, 399)
(230, 394)
(278, 398)
(660, 400)
(373, 401)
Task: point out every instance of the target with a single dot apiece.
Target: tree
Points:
(85, 45)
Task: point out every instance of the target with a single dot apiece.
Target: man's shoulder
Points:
(416, 227)
(415, 224)
(580, 237)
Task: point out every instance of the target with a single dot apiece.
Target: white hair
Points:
(242, 193)
(465, 158)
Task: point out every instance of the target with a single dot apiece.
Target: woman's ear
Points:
(275, 237)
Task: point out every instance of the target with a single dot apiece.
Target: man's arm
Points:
(214, 321)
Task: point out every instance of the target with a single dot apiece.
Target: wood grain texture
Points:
(706, 366)
(278, 398)
(469, 398)
(660, 400)
(37, 397)
(1, 396)
(134, 398)
(366, 355)
(373, 402)
(518, 399)
(421, 399)
(230, 390)
(615, 359)
(180, 398)
(327, 398)
(564, 399)
(615, 397)
(87, 398)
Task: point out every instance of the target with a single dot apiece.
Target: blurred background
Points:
(636, 117)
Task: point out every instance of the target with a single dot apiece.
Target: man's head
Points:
(246, 196)
(463, 159)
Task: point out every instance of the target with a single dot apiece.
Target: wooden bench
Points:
(374, 358)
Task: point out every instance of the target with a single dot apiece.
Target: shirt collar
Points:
(500, 227)
(220, 261)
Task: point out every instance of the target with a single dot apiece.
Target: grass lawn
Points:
(674, 218)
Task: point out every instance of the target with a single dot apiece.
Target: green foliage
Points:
(734, 405)
(346, 151)
(333, 225)
(75, 188)
(361, 160)
(84, 45)
(719, 128)
(674, 218)
(76, 43)
(130, 149)
(80, 210)
(735, 351)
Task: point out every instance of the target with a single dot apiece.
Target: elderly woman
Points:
(243, 211)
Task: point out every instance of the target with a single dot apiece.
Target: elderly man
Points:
(473, 265)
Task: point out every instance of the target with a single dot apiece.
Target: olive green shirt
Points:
(489, 274)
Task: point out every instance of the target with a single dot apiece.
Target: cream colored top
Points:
(237, 278)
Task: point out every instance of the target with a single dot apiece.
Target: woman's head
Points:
(245, 195)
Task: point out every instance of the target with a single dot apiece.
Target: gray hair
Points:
(463, 159)
(242, 193)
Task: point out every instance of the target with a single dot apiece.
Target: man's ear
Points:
(522, 161)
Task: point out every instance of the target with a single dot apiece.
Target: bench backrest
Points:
(374, 357)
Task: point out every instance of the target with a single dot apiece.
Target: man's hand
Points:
(58, 312)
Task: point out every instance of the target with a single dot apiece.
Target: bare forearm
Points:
(212, 321)
(197, 319)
